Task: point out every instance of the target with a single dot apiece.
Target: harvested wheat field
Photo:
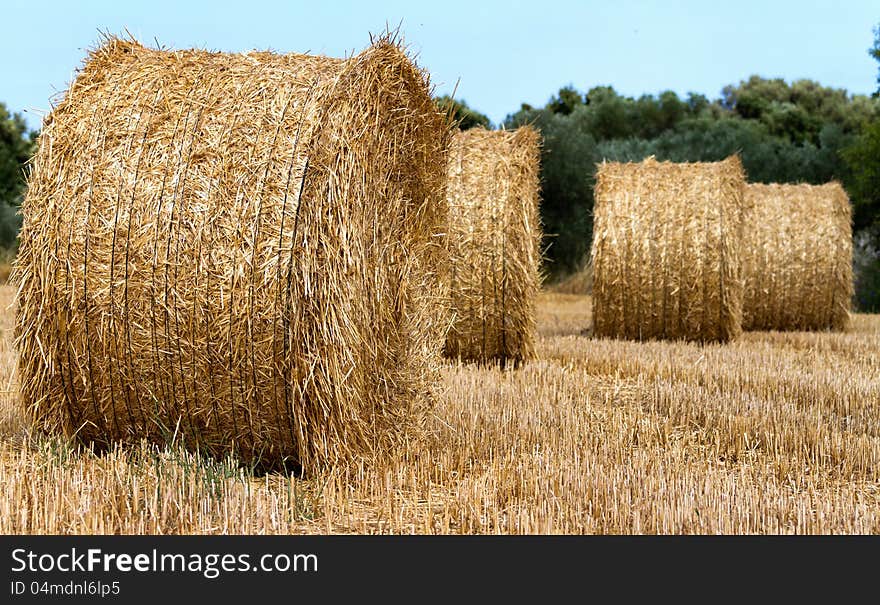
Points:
(773, 433)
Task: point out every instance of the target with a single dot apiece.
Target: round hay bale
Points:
(797, 257)
(665, 251)
(237, 252)
(494, 238)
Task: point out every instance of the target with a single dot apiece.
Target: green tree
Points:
(697, 104)
(866, 269)
(462, 114)
(16, 146)
(672, 110)
(565, 101)
(784, 132)
(798, 111)
(567, 170)
(863, 160)
(608, 115)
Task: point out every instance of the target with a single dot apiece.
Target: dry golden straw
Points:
(797, 257)
(665, 252)
(235, 251)
(494, 238)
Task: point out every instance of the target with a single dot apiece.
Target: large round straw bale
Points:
(797, 257)
(236, 251)
(494, 238)
(665, 251)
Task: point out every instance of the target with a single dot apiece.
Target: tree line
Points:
(784, 132)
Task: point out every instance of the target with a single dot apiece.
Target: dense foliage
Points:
(784, 132)
(16, 145)
(463, 115)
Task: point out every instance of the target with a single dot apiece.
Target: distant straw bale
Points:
(494, 238)
(665, 252)
(236, 251)
(797, 257)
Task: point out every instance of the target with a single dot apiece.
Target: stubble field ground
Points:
(773, 433)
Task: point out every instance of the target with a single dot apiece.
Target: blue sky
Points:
(501, 53)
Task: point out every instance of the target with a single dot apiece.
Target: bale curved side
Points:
(797, 257)
(239, 251)
(494, 238)
(665, 250)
